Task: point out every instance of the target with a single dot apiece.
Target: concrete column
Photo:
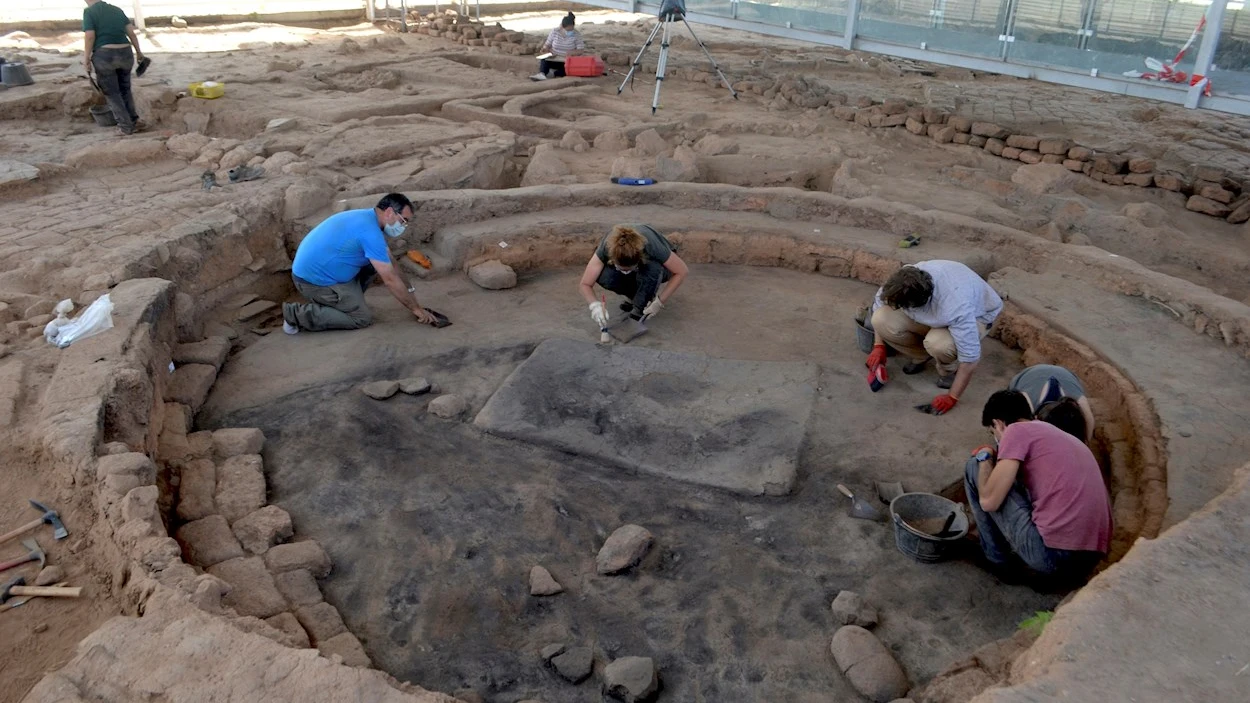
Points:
(138, 15)
(1210, 37)
(852, 18)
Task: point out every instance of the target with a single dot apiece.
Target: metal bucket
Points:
(103, 116)
(864, 335)
(912, 509)
(15, 74)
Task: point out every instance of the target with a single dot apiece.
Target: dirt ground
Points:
(368, 119)
(432, 554)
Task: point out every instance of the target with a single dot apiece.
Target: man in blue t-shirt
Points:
(337, 261)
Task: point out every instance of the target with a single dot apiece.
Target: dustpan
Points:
(629, 329)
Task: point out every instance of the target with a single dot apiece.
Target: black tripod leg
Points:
(708, 54)
(638, 59)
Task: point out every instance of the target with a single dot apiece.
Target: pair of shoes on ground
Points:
(543, 76)
(915, 367)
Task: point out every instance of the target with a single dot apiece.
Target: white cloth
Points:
(960, 300)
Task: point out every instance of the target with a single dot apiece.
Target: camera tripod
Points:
(666, 23)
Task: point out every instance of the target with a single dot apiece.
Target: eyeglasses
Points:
(402, 220)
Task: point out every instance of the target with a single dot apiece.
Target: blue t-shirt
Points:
(335, 250)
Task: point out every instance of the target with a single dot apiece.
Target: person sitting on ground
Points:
(108, 37)
(938, 309)
(563, 41)
(1044, 384)
(633, 260)
(1039, 496)
(338, 260)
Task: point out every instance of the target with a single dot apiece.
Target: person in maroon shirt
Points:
(1039, 496)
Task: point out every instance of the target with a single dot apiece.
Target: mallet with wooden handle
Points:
(18, 587)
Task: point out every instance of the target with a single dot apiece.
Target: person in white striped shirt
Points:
(563, 42)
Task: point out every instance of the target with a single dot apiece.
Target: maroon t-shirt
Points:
(1070, 505)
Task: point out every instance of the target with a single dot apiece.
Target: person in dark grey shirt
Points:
(1045, 384)
(633, 261)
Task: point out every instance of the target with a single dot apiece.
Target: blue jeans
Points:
(1011, 530)
(640, 285)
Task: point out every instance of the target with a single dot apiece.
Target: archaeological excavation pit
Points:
(258, 504)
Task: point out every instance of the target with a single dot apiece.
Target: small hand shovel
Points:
(861, 508)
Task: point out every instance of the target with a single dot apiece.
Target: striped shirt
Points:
(561, 45)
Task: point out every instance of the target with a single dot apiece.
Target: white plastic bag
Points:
(62, 310)
(97, 318)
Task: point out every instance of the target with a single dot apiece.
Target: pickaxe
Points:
(49, 516)
(18, 587)
(34, 554)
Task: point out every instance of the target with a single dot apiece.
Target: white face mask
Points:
(395, 229)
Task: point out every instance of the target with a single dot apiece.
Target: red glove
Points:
(877, 357)
(877, 377)
(943, 404)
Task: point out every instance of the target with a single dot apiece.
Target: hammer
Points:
(18, 587)
(34, 554)
(49, 516)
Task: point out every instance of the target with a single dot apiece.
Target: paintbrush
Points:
(604, 337)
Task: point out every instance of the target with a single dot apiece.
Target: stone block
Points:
(915, 126)
(1110, 163)
(995, 146)
(876, 120)
(448, 407)
(129, 464)
(1216, 193)
(298, 587)
(259, 530)
(650, 143)
(895, 120)
(196, 490)
(631, 679)
(289, 624)
(977, 141)
(306, 554)
(612, 141)
(252, 591)
(717, 145)
(863, 117)
(321, 621)
(1073, 165)
(1170, 181)
(934, 115)
(1011, 152)
(1206, 206)
(1142, 180)
(306, 197)
(546, 168)
(961, 137)
(1240, 214)
(868, 665)
(234, 441)
(1023, 141)
(346, 646)
(542, 583)
(1030, 157)
(1141, 165)
(208, 541)
(575, 664)
(623, 549)
(989, 130)
(240, 486)
(961, 124)
(189, 385)
(493, 275)
(845, 112)
(211, 351)
(1080, 153)
(1053, 158)
(894, 106)
(1057, 147)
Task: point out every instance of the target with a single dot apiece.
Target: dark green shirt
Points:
(108, 22)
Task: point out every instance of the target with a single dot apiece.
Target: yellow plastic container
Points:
(208, 92)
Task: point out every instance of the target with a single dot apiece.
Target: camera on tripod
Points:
(673, 8)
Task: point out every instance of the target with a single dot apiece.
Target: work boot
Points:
(945, 382)
(912, 368)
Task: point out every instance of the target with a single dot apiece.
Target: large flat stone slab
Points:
(736, 425)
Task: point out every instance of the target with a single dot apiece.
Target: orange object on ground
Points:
(586, 66)
(419, 258)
